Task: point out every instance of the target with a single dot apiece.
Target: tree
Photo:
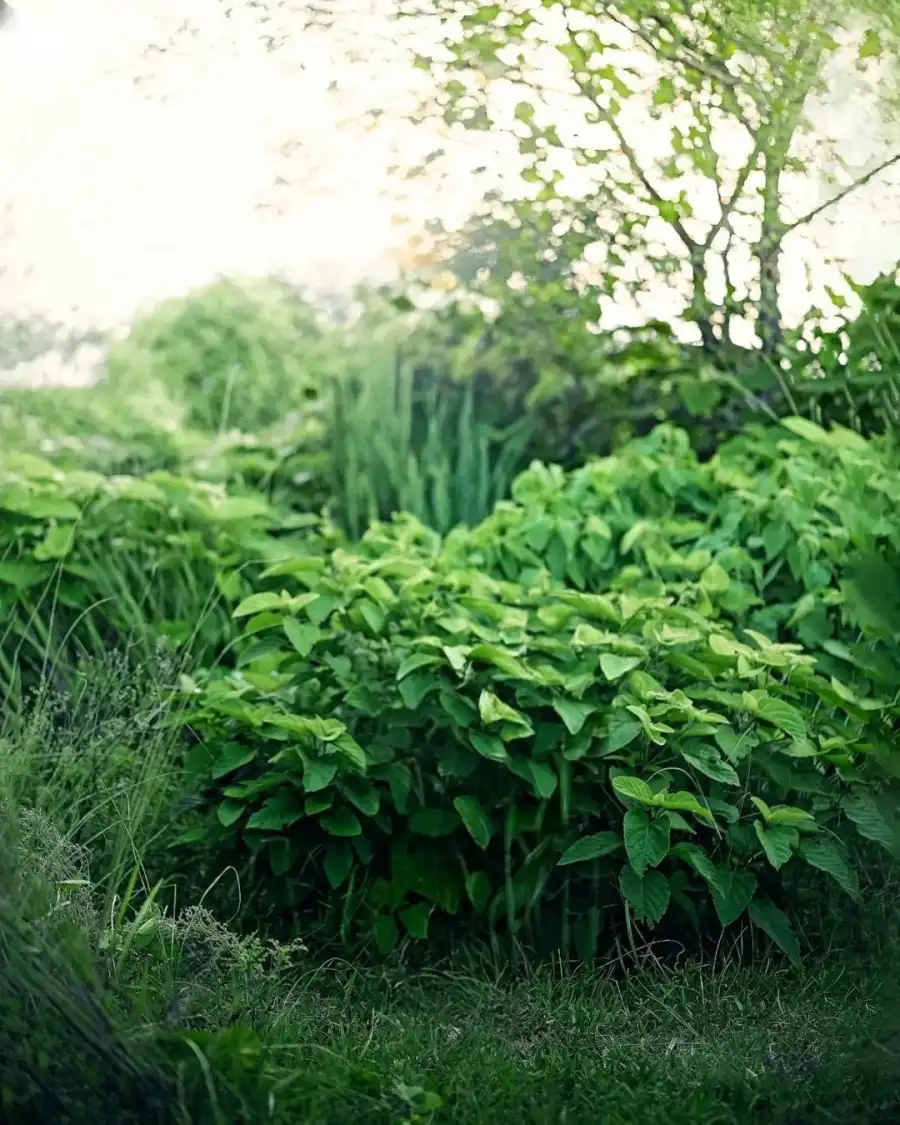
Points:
(587, 76)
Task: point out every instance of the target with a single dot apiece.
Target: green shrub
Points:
(89, 562)
(123, 430)
(580, 707)
(236, 353)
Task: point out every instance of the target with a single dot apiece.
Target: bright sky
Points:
(131, 174)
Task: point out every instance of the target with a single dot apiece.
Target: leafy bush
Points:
(89, 561)
(235, 353)
(580, 706)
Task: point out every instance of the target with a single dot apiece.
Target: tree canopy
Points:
(661, 140)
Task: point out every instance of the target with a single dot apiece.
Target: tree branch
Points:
(728, 205)
(861, 182)
(630, 155)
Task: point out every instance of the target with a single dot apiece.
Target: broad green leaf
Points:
(302, 637)
(338, 862)
(502, 659)
(543, 778)
(646, 839)
(776, 536)
(734, 746)
(493, 710)
(232, 757)
(715, 579)
(790, 815)
(488, 746)
(229, 813)
(776, 925)
(22, 574)
(415, 661)
(634, 789)
(475, 819)
(258, 603)
(434, 822)
(778, 842)
(318, 773)
(648, 894)
(825, 854)
(590, 847)
(461, 710)
(415, 919)
(57, 544)
(415, 687)
(623, 730)
(573, 713)
(321, 608)
(614, 667)
(278, 812)
(731, 892)
(685, 802)
(865, 814)
(784, 716)
(372, 614)
(706, 760)
(341, 822)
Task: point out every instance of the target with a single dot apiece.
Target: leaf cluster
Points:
(639, 690)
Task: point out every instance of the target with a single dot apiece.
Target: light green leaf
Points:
(321, 608)
(634, 789)
(493, 710)
(614, 667)
(806, 429)
(789, 814)
(302, 637)
(57, 544)
(573, 713)
(871, 47)
(715, 579)
(258, 603)
(417, 660)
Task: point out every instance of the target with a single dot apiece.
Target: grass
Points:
(208, 1026)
